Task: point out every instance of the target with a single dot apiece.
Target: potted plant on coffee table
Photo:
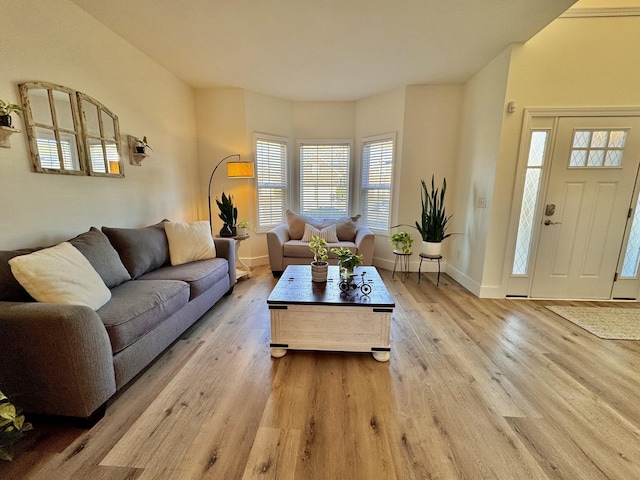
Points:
(434, 220)
(319, 266)
(228, 214)
(347, 260)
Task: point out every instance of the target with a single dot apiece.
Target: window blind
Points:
(377, 167)
(324, 180)
(271, 175)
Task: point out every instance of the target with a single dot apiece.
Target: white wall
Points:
(432, 116)
(378, 115)
(55, 41)
(483, 110)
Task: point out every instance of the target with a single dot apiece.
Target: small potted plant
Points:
(12, 427)
(6, 109)
(228, 214)
(347, 260)
(402, 241)
(319, 266)
(142, 145)
(434, 220)
(243, 227)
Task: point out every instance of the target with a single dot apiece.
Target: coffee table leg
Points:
(382, 356)
(278, 352)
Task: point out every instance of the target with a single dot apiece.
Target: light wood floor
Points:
(475, 389)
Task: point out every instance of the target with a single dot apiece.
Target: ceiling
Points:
(323, 50)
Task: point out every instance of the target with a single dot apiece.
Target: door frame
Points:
(544, 119)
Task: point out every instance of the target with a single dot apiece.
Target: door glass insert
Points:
(533, 175)
(597, 148)
(632, 255)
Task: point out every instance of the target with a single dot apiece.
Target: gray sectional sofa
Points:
(69, 359)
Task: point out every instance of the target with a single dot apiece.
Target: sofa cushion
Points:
(346, 228)
(95, 246)
(189, 242)
(297, 222)
(327, 233)
(138, 306)
(60, 274)
(200, 275)
(141, 249)
(300, 249)
(10, 288)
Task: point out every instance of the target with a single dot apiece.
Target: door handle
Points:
(549, 222)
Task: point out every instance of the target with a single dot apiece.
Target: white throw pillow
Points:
(189, 242)
(328, 233)
(60, 274)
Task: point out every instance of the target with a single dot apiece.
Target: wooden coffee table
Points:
(319, 316)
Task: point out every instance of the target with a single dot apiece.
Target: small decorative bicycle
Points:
(350, 283)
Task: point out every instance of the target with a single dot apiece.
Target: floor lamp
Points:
(237, 169)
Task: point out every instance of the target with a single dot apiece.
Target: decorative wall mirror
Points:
(70, 132)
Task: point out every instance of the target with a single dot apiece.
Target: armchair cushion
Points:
(327, 233)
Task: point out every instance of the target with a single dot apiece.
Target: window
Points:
(535, 163)
(324, 179)
(377, 169)
(597, 148)
(70, 132)
(271, 178)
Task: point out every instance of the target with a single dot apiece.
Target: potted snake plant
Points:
(434, 220)
(228, 214)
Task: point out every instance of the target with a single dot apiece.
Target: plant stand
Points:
(430, 258)
(403, 258)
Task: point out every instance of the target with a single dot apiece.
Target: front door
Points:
(593, 172)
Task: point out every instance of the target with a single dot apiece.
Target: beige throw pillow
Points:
(189, 242)
(327, 233)
(60, 274)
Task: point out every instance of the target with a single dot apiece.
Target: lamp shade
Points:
(240, 170)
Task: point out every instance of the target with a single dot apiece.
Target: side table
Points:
(403, 258)
(424, 256)
(244, 270)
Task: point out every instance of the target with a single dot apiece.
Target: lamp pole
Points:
(210, 179)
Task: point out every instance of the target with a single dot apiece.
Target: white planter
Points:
(319, 271)
(432, 248)
(241, 231)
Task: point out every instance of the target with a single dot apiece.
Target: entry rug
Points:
(611, 323)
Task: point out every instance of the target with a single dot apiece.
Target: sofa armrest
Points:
(226, 248)
(276, 238)
(55, 359)
(365, 243)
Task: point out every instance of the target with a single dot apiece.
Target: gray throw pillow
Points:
(95, 246)
(141, 249)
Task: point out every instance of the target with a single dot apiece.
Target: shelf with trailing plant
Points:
(138, 150)
(6, 127)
